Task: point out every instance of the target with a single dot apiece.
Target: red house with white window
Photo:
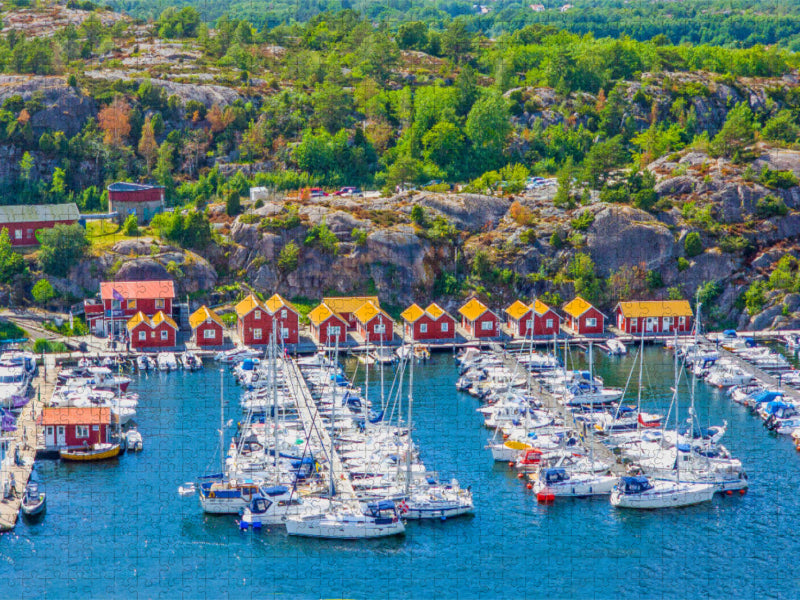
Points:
(327, 327)
(121, 300)
(207, 327)
(24, 221)
(583, 318)
(156, 333)
(432, 323)
(346, 307)
(373, 324)
(285, 318)
(654, 317)
(75, 427)
(478, 320)
(254, 324)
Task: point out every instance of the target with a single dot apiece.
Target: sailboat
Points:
(642, 492)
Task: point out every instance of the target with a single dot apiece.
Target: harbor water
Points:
(120, 529)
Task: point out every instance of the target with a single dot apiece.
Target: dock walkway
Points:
(315, 429)
(770, 380)
(551, 403)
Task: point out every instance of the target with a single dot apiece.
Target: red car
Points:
(317, 192)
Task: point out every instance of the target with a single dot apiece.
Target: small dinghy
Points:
(133, 440)
(33, 500)
(187, 488)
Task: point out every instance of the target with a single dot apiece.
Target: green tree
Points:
(418, 215)
(781, 128)
(61, 248)
(602, 159)
(488, 125)
(131, 226)
(413, 36)
(443, 145)
(233, 204)
(736, 134)
(563, 197)
(43, 292)
(457, 42)
(11, 262)
(288, 258)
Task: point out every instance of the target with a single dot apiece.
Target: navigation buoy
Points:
(529, 486)
(729, 493)
(511, 463)
(742, 492)
(521, 475)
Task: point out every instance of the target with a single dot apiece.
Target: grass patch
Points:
(11, 331)
(104, 234)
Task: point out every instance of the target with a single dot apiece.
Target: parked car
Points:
(347, 191)
(317, 192)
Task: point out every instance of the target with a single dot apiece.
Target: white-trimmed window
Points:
(487, 326)
(380, 328)
(667, 323)
(548, 323)
(159, 304)
(334, 331)
(164, 334)
(445, 326)
(81, 431)
(634, 322)
(591, 322)
(284, 333)
(256, 334)
(49, 431)
(18, 234)
(257, 315)
(142, 336)
(283, 313)
(210, 333)
(423, 328)
(682, 321)
(116, 304)
(529, 325)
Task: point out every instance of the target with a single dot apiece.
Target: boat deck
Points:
(550, 402)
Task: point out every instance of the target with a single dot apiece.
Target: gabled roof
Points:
(246, 306)
(31, 213)
(203, 314)
(436, 311)
(322, 313)
(541, 308)
(138, 319)
(369, 311)
(518, 310)
(412, 313)
(135, 290)
(655, 308)
(349, 304)
(277, 302)
(473, 309)
(577, 306)
(71, 415)
(160, 317)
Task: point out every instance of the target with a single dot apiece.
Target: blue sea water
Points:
(120, 529)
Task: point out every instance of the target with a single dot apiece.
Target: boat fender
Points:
(211, 494)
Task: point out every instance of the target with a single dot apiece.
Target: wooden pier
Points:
(551, 403)
(771, 380)
(315, 428)
(25, 441)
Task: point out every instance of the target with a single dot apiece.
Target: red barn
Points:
(478, 320)
(159, 332)
(255, 324)
(583, 318)
(654, 317)
(207, 327)
(327, 327)
(373, 324)
(24, 221)
(432, 323)
(72, 426)
(347, 306)
(138, 199)
(121, 300)
(285, 318)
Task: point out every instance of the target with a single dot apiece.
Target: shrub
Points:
(708, 292)
(755, 297)
(770, 206)
(418, 215)
(289, 257)
(229, 319)
(11, 262)
(359, 236)
(777, 179)
(42, 345)
(683, 264)
(522, 215)
(693, 245)
(61, 248)
(233, 204)
(528, 236)
(556, 241)
(733, 244)
(131, 226)
(43, 292)
(322, 237)
(654, 280)
(583, 221)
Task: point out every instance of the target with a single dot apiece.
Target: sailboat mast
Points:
(410, 422)
(677, 422)
(332, 383)
(380, 341)
(639, 391)
(222, 421)
(274, 365)
(364, 409)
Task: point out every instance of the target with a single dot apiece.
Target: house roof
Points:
(322, 313)
(126, 186)
(28, 213)
(135, 290)
(655, 308)
(277, 302)
(71, 415)
(577, 306)
(540, 307)
(369, 311)
(473, 309)
(412, 313)
(160, 317)
(349, 304)
(435, 311)
(203, 314)
(246, 306)
(138, 319)
(518, 310)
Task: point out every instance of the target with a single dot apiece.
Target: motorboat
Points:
(33, 500)
(90, 452)
(227, 496)
(727, 376)
(191, 362)
(639, 491)
(437, 502)
(616, 347)
(145, 363)
(275, 504)
(384, 356)
(187, 488)
(133, 440)
(235, 355)
(380, 519)
(167, 361)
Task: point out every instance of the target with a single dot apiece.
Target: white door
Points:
(61, 435)
(651, 324)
